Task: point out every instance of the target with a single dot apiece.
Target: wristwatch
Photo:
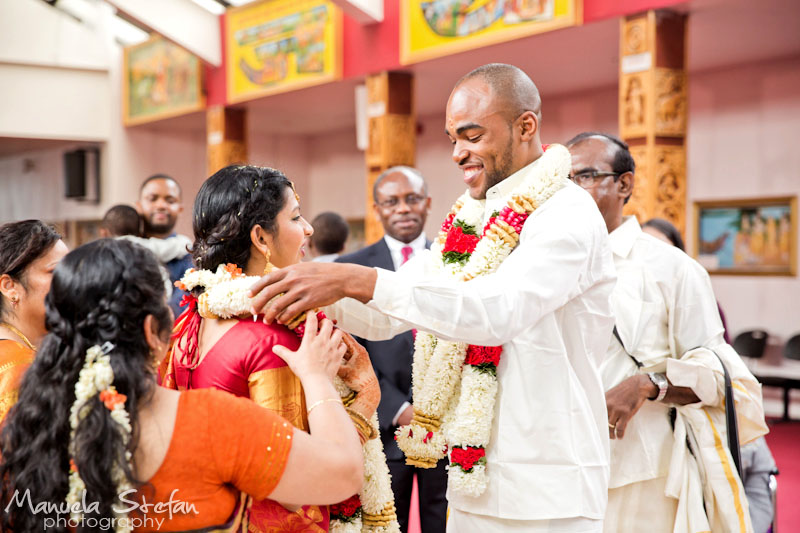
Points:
(660, 381)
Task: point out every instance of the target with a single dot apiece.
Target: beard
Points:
(151, 228)
(502, 169)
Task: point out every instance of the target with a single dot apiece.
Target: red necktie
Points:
(406, 251)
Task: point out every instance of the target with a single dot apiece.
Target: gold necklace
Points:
(19, 334)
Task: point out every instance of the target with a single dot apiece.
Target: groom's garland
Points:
(455, 384)
(370, 511)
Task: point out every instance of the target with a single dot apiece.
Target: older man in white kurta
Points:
(668, 325)
(547, 305)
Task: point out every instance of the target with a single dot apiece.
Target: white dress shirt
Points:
(396, 247)
(548, 306)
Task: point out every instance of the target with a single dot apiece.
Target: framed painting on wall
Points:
(161, 80)
(276, 46)
(436, 28)
(747, 237)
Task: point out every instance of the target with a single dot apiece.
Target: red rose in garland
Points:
(467, 457)
(347, 510)
(479, 355)
(458, 241)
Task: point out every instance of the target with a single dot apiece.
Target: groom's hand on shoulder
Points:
(306, 286)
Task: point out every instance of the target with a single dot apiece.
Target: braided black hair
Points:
(226, 208)
(101, 292)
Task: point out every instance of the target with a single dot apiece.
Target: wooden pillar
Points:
(226, 141)
(652, 112)
(392, 133)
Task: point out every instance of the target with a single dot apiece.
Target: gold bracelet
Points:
(316, 404)
(363, 425)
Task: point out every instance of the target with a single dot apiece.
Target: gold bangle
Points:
(320, 402)
(364, 426)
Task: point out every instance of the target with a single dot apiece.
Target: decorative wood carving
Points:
(652, 113)
(226, 142)
(638, 204)
(670, 185)
(634, 35)
(633, 105)
(392, 134)
(670, 102)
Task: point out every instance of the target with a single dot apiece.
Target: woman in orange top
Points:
(93, 430)
(29, 251)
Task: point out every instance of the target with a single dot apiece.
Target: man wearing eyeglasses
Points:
(662, 378)
(401, 202)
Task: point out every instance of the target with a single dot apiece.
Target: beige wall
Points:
(744, 126)
(336, 171)
(744, 123)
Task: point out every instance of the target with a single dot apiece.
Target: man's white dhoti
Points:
(641, 507)
(463, 522)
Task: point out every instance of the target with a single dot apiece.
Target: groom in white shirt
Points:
(546, 304)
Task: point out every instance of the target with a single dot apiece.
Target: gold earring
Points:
(268, 267)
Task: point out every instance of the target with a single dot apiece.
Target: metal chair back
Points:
(751, 343)
(792, 348)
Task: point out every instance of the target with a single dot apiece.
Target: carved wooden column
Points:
(652, 112)
(392, 133)
(226, 141)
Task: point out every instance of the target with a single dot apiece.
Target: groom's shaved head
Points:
(513, 90)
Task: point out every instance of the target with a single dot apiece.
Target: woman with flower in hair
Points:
(29, 251)
(93, 443)
(246, 221)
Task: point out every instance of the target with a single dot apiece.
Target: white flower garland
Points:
(226, 296)
(340, 526)
(97, 377)
(463, 406)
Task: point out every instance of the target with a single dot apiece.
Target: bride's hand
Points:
(320, 352)
(357, 373)
(356, 370)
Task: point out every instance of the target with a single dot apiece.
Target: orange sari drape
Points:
(14, 361)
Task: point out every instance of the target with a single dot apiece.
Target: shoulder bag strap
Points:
(619, 339)
(730, 421)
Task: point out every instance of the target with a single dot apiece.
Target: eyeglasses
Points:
(410, 199)
(588, 179)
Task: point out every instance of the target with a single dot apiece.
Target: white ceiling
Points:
(11, 146)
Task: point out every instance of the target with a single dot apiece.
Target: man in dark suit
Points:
(401, 201)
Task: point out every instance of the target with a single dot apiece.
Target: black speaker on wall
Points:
(82, 174)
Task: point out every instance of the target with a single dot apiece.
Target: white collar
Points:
(623, 238)
(395, 245)
(504, 188)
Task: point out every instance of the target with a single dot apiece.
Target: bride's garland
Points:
(370, 511)
(454, 385)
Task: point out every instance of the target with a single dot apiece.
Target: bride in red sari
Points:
(249, 217)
